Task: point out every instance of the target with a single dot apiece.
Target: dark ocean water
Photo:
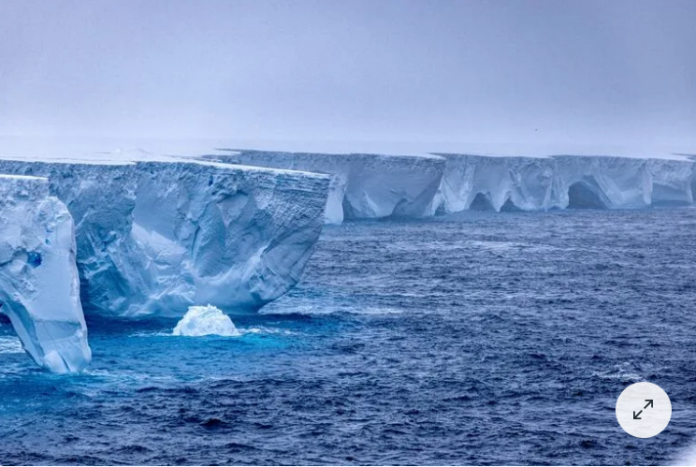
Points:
(487, 339)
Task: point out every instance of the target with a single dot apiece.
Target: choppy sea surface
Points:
(482, 339)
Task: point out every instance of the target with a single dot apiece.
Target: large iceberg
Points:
(363, 186)
(234, 237)
(672, 182)
(155, 237)
(39, 285)
(100, 196)
(503, 183)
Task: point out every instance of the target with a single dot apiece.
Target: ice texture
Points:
(363, 186)
(39, 283)
(502, 183)
(234, 237)
(101, 198)
(672, 182)
(155, 237)
(204, 321)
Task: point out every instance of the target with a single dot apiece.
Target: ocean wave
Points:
(10, 344)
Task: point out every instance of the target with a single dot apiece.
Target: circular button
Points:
(643, 410)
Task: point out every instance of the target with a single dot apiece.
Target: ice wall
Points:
(39, 284)
(363, 186)
(101, 198)
(672, 182)
(559, 182)
(157, 236)
(233, 237)
(495, 183)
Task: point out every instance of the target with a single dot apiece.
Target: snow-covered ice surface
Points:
(39, 284)
(506, 183)
(205, 321)
(363, 186)
(162, 234)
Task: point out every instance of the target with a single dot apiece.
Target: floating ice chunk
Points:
(204, 321)
(39, 284)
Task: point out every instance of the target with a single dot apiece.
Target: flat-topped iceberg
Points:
(363, 186)
(39, 284)
(157, 236)
(234, 237)
(503, 183)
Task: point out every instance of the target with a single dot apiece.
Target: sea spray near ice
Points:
(205, 321)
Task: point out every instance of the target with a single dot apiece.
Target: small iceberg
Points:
(205, 321)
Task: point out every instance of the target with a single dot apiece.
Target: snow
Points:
(363, 186)
(560, 182)
(157, 236)
(39, 284)
(204, 321)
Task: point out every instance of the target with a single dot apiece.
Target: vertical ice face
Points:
(494, 183)
(363, 186)
(234, 237)
(559, 182)
(101, 198)
(156, 237)
(601, 182)
(39, 284)
(672, 182)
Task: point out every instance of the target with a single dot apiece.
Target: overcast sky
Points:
(602, 72)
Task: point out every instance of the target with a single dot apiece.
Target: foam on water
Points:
(10, 345)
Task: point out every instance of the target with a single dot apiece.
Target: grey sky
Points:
(603, 72)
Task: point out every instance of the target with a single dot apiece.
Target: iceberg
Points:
(231, 236)
(601, 182)
(494, 183)
(673, 182)
(205, 321)
(503, 183)
(100, 196)
(39, 284)
(157, 236)
(363, 186)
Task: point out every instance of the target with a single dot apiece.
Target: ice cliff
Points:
(234, 237)
(157, 236)
(368, 186)
(363, 186)
(559, 182)
(39, 285)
